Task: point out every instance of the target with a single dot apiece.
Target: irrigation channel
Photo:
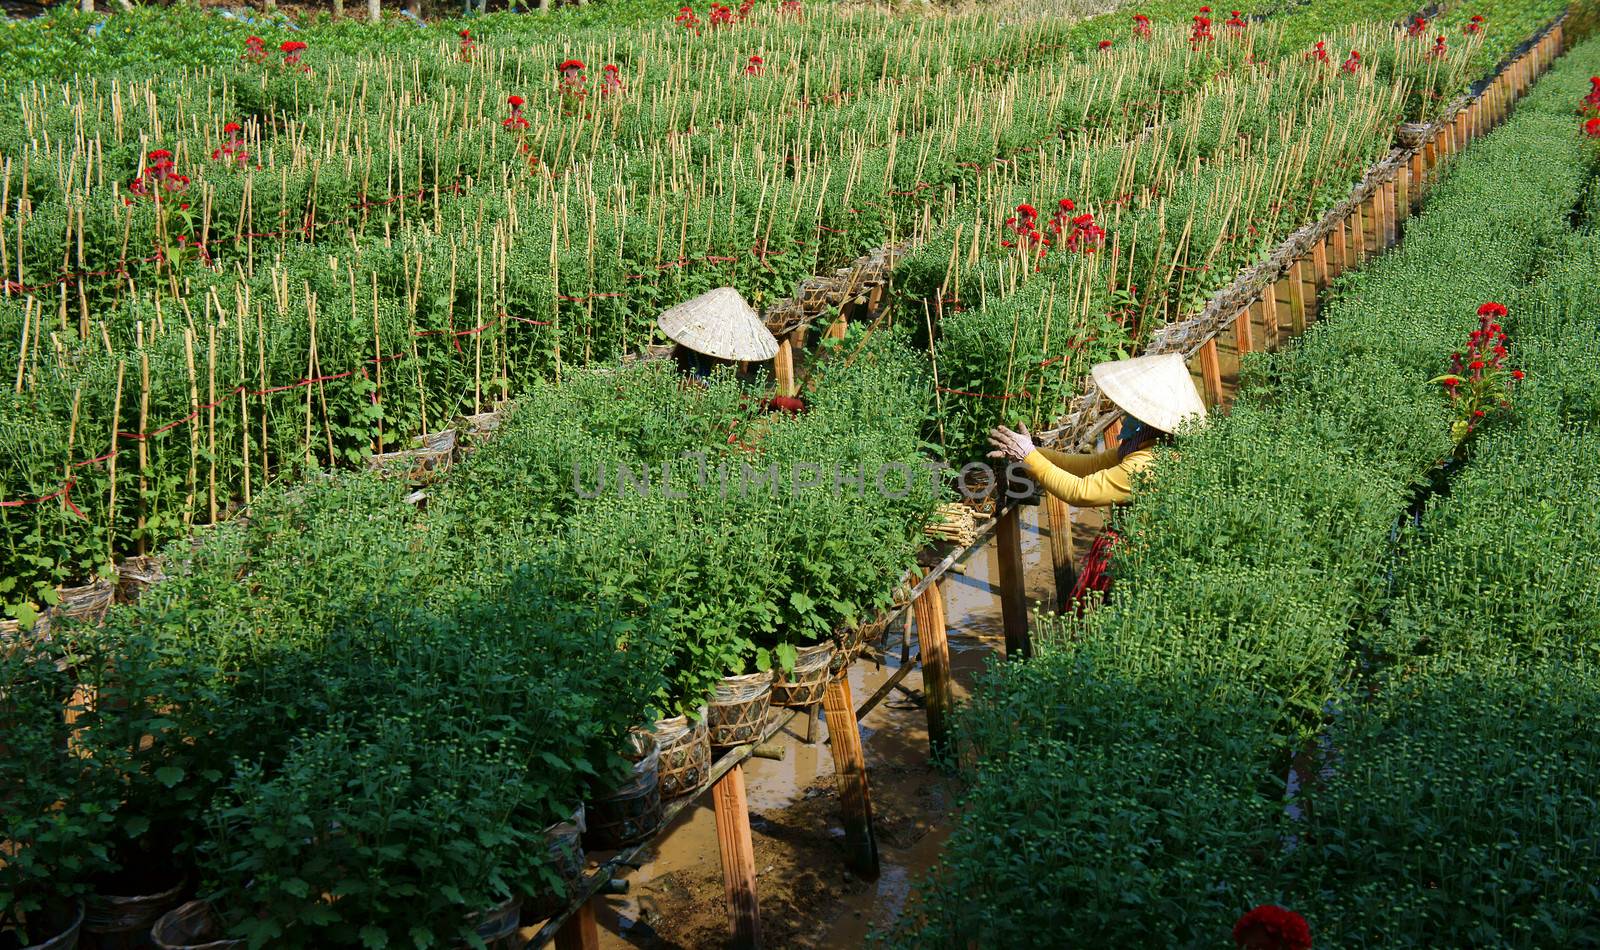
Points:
(762, 852)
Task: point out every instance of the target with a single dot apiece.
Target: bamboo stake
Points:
(738, 859)
(111, 466)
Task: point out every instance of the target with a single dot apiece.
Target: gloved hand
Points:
(1011, 445)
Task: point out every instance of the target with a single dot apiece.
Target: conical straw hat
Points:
(720, 324)
(1156, 390)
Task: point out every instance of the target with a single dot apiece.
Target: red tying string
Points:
(64, 493)
(966, 392)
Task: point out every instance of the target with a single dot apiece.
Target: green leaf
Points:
(169, 775)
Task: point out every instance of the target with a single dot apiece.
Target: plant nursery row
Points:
(1348, 666)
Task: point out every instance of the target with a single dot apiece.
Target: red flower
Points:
(1205, 9)
(1105, 44)
(1516, 374)
(789, 404)
(1141, 26)
(572, 65)
(756, 66)
(1272, 928)
(1438, 51)
(514, 102)
(290, 47)
(1353, 64)
(1477, 413)
(1319, 54)
(1451, 382)
(1474, 25)
(1591, 128)
(1235, 21)
(1492, 309)
(230, 128)
(1475, 364)
(158, 155)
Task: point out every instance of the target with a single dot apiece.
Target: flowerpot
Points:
(87, 604)
(855, 640)
(563, 842)
(192, 926)
(60, 929)
(12, 633)
(737, 713)
(629, 813)
(803, 686)
(433, 454)
(497, 923)
(135, 575)
(116, 922)
(1412, 134)
(685, 754)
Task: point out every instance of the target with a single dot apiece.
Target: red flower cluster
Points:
(515, 120)
(1141, 26)
(1592, 100)
(610, 80)
(755, 67)
(465, 55)
(1086, 237)
(574, 85)
(1419, 26)
(721, 15)
(255, 50)
(1478, 380)
(687, 19)
(1439, 50)
(793, 405)
(1235, 21)
(233, 149)
(1201, 31)
(1105, 45)
(1474, 25)
(159, 179)
(792, 8)
(291, 50)
(1025, 224)
(1353, 64)
(1591, 128)
(1272, 928)
(1318, 53)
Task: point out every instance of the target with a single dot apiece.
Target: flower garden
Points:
(369, 580)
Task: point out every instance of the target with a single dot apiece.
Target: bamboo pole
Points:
(579, 932)
(1244, 338)
(1013, 597)
(850, 767)
(1211, 371)
(1297, 297)
(929, 613)
(738, 859)
(1066, 574)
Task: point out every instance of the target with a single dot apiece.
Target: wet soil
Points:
(808, 898)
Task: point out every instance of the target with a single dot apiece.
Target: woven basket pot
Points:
(853, 641)
(67, 924)
(419, 464)
(122, 922)
(629, 813)
(737, 713)
(193, 926)
(685, 754)
(804, 685)
(135, 575)
(87, 604)
(564, 843)
(11, 633)
(1411, 134)
(496, 923)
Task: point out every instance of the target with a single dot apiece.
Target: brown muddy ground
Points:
(807, 897)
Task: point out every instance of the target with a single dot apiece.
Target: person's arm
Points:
(1080, 464)
(1108, 486)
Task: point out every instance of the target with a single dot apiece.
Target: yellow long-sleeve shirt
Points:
(1088, 481)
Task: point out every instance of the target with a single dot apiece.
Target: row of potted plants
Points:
(1261, 626)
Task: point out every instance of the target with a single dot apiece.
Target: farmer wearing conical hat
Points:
(1156, 395)
(716, 328)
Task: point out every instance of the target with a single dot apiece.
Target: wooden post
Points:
(783, 369)
(1402, 198)
(1379, 220)
(1210, 371)
(1297, 297)
(1339, 261)
(1270, 327)
(1061, 548)
(1319, 264)
(837, 329)
(579, 932)
(738, 859)
(1013, 597)
(375, 11)
(850, 767)
(1415, 180)
(928, 609)
(1244, 337)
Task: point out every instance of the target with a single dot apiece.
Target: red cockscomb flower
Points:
(1201, 31)
(1318, 53)
(1105, 44)
(1492, 309)
(1419, 26)
(755, 67)
(1438, 51)
(1353, 64)
(1591, 128)
(1235, 21)
(1516, 374)
(291, 46)
(571, 65)
(1272, 928)
(1141, 26)
(1473, 25)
